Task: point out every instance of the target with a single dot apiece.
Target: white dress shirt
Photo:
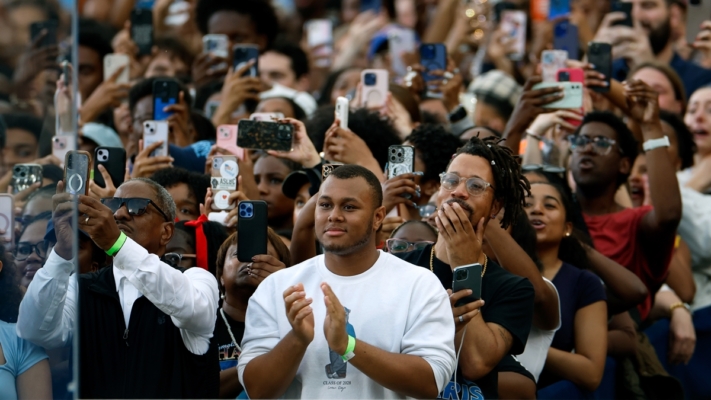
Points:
(48, 310)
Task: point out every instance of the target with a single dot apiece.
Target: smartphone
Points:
(565, 37)
(242, 54)
(370, 5)
(7, 212)
(571, 75)
(433, 57)
(156, 131)
(61, 145)
(216, 44)
(112, 62)
(266, 116)
(165, 93)
(572, 94)
(375, 87)
(114, 160)
(77, 164)
(326, 169)
(50, 38)
(513, 22)
(501, 7)
(624, 7)
(697, 11)
(142, 30)
(210, 108)
(223, 181)
(558, 9)
(400, 41)
(401, 160)
(265, 135)
(24, 176)
(319, 32)
(251, 229)
(342, 109)
(227, 139)
(600, 55)
(467, 277)
(551, 62)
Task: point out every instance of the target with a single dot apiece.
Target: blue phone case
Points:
(566, 38)
(433, 56)
(158, 106)
(558, 8)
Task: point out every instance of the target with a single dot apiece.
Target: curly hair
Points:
(684, 139)
(197, 183)
(260, 12)
(510, 186)
(377, 133)
(10, 291)
(436, 147)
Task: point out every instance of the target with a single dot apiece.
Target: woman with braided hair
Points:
(481, 178)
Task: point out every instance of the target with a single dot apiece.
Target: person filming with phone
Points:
(145, 326)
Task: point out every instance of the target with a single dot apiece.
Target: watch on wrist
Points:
(652, 144)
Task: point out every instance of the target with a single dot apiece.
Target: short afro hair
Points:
(197, 183)
(684, 139)
(436, 147)
(510, 186)
(261, 13)
(299, 59)
(26, 122)
(351, 171)
(96, 36)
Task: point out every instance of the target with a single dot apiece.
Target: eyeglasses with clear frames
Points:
(601, 144)
(401, 245)
(475, 185)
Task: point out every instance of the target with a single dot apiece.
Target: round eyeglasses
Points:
(475, 185)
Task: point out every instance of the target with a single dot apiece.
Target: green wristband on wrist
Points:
(117, 246)
(349, 349)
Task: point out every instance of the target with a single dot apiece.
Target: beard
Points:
(347, 249)
(659, 36)
(466, 207)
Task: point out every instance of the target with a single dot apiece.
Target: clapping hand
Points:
(299, 313)
(334, 325)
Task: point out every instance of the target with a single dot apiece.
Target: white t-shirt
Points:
(539, 341)
(395, 306)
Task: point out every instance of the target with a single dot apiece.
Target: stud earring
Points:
(222, 296)
(567, 234)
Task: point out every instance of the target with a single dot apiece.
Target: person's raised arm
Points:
(303, 237)
(627, 288)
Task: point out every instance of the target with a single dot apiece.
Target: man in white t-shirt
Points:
(354, 322)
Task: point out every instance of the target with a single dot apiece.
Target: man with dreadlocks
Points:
(481, 178)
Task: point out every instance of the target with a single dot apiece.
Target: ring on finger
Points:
(86, 221)
(461, 319)
(448, 75)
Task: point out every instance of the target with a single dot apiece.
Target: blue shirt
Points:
(20, 355)
(692, 75)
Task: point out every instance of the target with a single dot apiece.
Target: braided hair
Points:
(511, 187)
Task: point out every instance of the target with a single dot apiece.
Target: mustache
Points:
(462, 204)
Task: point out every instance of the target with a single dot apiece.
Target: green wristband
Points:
(349, 349)
(117, 246)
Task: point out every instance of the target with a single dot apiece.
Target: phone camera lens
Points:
(461, 275)
(370, 79)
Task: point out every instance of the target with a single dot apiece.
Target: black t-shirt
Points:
(508, 301)
(229, 353)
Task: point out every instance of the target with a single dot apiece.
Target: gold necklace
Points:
(486, 261)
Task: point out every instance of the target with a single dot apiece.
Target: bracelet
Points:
(349, 349)
(652, 144)
(679, 304)
(117, 246)
(533, 135)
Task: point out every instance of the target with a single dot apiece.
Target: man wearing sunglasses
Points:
(603, 152)
(145, 326)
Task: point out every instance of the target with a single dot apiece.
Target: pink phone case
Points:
(227, 139)
(375, 87)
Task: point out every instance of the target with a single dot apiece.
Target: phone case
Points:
(433, 57)
(114, 160)
(251, 229)
(113, 62)
(77, 165)
(565, 37)
(156, 131)
(24, 176)
(401, 160)
(619, 6)
(7, 208)
(227, 139)
(375, 88)
(571, 75)
(165, 93)
(696, 13)
(61, 145)
(558, 9)
(600, 55)
(270, 117)
(264, 135)
(319, 32)
(573, 94)
(342, 109)
(507, 5)
(467, 277)
(370, 5)
(513, 22)
(326, 169)
(551, 62)
(242, 54)
(142, 30)
(223, 180)
(400, 41)
(216, 44)
(50, 38)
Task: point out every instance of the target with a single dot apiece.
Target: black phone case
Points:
(24, 176)
(241, 54)
(472, 281)
(76, 172)
(142, 30)
(619, 6)
(51, 37)
(264, 135)
(251, 229)
(600, 55)
(115, 165)
(163, 91)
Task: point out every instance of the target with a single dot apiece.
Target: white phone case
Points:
(112, 62)
(513, 22)
(156, 131)
(375, 87)
(6, 217)
(572, 92)
(61, 145)
(216, 44)
(551, 62)
(319, 32)
(400, 41)
(342, 108)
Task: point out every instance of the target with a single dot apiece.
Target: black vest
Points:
(147, 360)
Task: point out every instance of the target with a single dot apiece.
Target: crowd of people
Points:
(582, 235)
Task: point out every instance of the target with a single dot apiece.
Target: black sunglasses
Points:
(135, 205)
(543, 167)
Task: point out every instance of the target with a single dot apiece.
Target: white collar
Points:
(118, 277)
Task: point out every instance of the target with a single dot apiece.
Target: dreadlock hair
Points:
(215, 235)
(524, 235)
(510, 186)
